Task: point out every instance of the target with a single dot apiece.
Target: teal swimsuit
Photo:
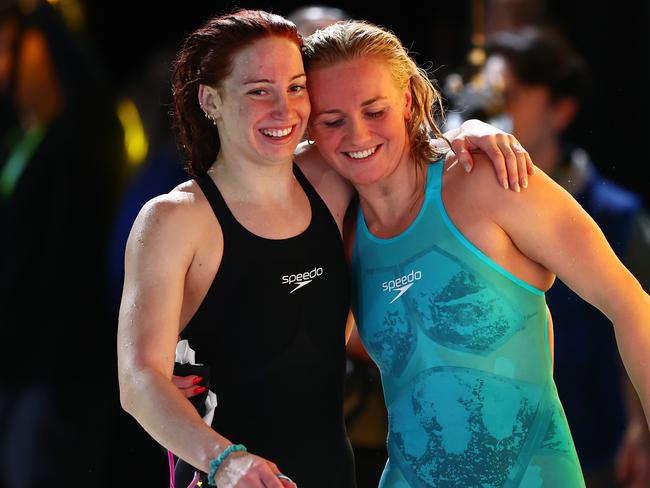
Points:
(462, 347)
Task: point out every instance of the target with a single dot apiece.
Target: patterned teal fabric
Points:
(462, 347)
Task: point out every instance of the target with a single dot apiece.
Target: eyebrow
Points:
(266, 80)
(338, 111)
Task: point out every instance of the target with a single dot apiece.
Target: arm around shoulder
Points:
(336, 191)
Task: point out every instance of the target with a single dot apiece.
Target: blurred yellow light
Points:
(477, 56)
(135, 138)
(72, 13)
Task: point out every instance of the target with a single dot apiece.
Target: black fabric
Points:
(276, 350)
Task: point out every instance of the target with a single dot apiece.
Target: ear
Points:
(210, 101)
(408, 100)
(564, 111)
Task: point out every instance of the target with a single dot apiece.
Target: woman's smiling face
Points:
(359, 118)
(262, 107)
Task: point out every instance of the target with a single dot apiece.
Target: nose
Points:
(358, 133)
(281, 107)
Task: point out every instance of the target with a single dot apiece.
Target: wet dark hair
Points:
(540, 56)
(206, 58)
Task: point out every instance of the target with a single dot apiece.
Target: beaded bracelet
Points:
(216, 462)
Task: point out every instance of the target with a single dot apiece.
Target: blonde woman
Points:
(448, 291)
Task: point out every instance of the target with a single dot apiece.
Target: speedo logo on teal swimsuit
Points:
(302, 279)
(402, 284)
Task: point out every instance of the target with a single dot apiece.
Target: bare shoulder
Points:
(483, 186)
(482, 181)
(540, 217)
(171, 219)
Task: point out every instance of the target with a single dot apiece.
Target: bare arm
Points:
(510, 161)
(159, 253)
(157, 259)
(632, 461)
(552, 229)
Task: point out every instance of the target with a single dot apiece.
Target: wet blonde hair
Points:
(348, 40)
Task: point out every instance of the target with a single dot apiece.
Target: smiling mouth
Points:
(361, 155)
(278, 133)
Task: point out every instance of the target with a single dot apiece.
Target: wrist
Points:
(216, 462)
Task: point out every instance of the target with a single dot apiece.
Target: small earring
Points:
(309, 140)
(211, 117)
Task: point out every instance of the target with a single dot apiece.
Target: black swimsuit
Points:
(272, 330)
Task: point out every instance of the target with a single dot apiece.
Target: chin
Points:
(280, 152)
(363, 179)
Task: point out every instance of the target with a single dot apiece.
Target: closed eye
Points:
(333, 123)
(375, 115)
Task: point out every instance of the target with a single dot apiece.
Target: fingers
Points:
(503, 160)
(511, 161)
(530, 167)
(270, 479)
(522, 162)
(188, 385)
(515, 162)
(462, 154)
(512, 164)
(186, 381)
(497, 148)
(286, 481)
(525, 161)
(452, 160)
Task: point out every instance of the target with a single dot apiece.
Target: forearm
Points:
(633, 407)
(632, 327)
(170, 418)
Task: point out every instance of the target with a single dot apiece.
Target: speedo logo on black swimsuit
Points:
(302, 279)
(401, 284)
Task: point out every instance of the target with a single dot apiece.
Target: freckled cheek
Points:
(246, 109)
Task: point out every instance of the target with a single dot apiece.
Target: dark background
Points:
(614, 38)
(127, 34)
(613, 127)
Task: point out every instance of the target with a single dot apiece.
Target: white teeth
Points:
(277, 132)
(362, 154)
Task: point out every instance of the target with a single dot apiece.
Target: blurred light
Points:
(72, 13)
(135, 138)
(477, 57)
